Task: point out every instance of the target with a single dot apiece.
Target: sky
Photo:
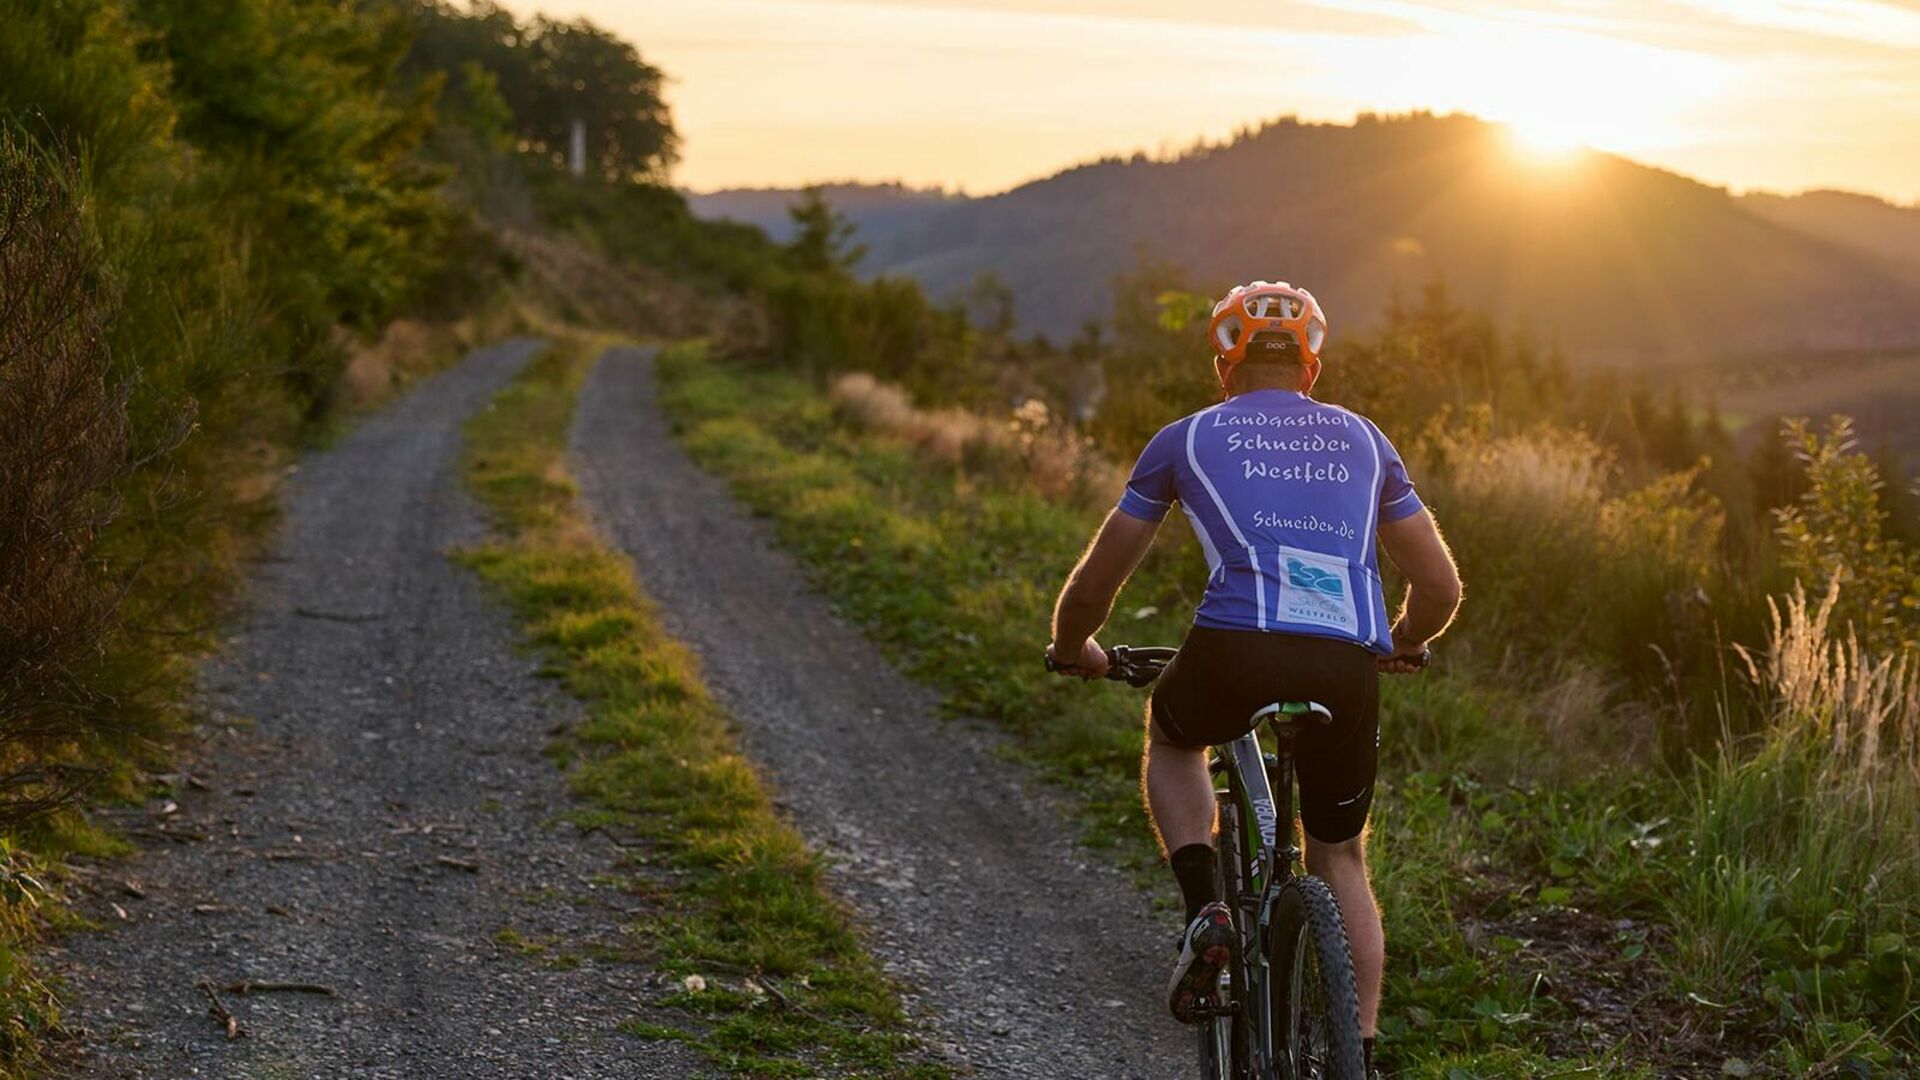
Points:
(982, 95)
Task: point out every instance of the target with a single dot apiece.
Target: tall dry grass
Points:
(1862, 708)
(410, 349)
(1029, 446)
(1565, 471)
(1801, 894)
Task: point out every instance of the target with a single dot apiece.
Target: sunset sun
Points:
(1545, 138)
(1558, 91)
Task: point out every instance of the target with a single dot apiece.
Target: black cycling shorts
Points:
(1208, 696)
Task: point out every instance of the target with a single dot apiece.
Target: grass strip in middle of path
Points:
(774, 978)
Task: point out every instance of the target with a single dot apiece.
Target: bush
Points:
(826, 322)
(1837, 532)
(242, 185)
(64, 456)
(1565, 567)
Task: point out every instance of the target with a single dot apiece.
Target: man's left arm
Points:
(1087, 599)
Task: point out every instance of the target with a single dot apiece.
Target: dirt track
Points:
(376, 810)
(1035, 959)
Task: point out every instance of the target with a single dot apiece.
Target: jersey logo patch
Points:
(1314, 589)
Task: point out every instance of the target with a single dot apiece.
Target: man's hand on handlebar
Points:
(1406, 661)
(1090, 664)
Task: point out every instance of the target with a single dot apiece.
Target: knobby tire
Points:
(1313, 965)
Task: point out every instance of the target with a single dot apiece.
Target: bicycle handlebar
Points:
(1135, 665)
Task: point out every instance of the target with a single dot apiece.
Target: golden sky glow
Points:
(985, 94)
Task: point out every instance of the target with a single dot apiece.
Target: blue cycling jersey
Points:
(1285, 494)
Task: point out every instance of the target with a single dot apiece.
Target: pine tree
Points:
(823, 238)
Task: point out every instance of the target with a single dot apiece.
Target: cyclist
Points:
(1286, 495)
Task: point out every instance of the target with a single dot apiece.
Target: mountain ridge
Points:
(1611, 258)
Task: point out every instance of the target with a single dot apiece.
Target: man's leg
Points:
(1179, 795)
(1344, 867)
(1179, 791)
(1180, 802)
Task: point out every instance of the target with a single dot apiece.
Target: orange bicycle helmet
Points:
(1265, 307)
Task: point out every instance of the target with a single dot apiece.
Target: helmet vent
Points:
(1270, 306)
(1228, 334)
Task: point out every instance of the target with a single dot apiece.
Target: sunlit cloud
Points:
(1864, 21)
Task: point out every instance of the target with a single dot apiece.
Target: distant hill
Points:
(1613, 259)
(876, 207)
(1860, 222)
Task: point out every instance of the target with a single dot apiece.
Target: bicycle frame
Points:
(1268, 858)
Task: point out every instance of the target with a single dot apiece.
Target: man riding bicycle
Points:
(1287, 496)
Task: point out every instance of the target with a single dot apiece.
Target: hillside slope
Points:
(1861, 222)
(1612, 258)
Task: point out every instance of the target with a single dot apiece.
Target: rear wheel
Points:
(1223, 1039)
(1316, 1009)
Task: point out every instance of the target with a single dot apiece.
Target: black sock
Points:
(1366, 1046)
(1193, 867)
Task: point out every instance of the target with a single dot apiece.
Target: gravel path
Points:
(368, 812)
(1035, 959)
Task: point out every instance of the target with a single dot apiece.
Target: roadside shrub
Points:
(242, 185)
(825, 323)
(1562, 564)
(1837, 532)
(64, 453)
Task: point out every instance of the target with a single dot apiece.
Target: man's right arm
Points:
(1433, 581)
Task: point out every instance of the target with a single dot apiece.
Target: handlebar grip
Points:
(1055, 665)
(1136, 666)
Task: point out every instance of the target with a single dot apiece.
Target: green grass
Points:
(1532, 895)
(777, 981)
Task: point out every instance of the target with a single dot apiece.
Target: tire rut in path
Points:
(387, 813)
(1030, 955)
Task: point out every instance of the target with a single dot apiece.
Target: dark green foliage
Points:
(823, 323)
(1836, 531)
(823, 240)
(551, 73)
(194, 197)
(295, 101)
(65, 453)
(246, 183)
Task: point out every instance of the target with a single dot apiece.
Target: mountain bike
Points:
(1286, 1008)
